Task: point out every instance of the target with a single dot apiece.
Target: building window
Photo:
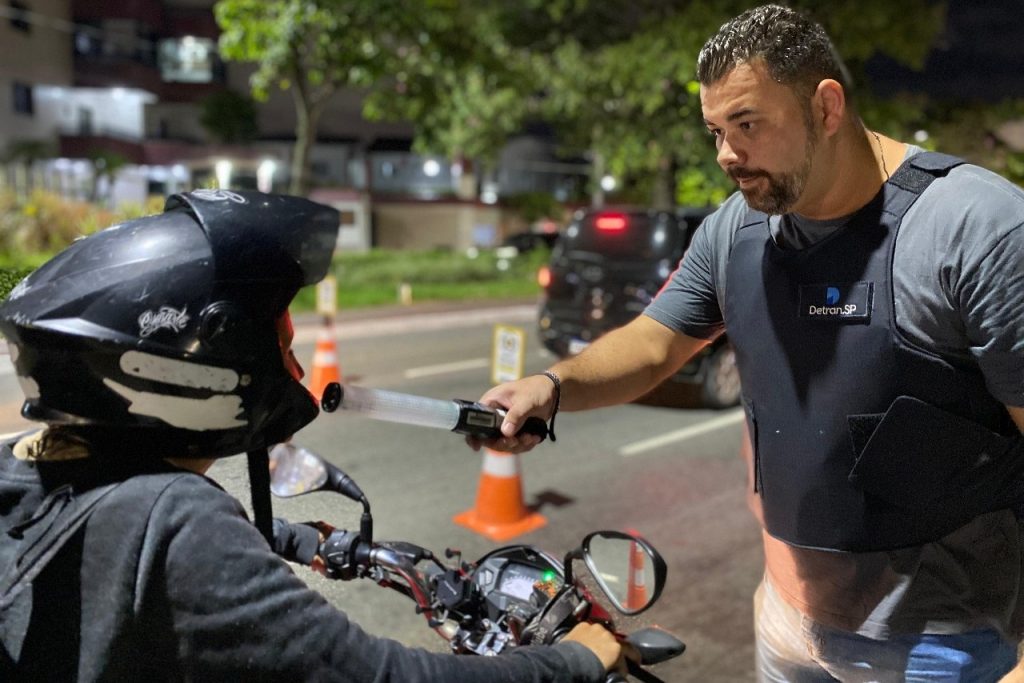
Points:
(19, 16)
(23, 98)
(187, 59)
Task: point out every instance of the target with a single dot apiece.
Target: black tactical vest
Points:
(861, 440)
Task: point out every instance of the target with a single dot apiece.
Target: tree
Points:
(454, 74)
(21, 156)
(105, 167)
(439, 63)
(615, 77)
(229, 117)
(310, 47)
(630, 98)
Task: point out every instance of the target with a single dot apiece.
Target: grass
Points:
(374, 278)
(34, 228)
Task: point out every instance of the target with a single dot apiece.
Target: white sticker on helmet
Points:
(178, 372)
(218, 196)
(197, 414)
(165, 318)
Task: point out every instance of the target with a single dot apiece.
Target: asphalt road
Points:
(673, 475)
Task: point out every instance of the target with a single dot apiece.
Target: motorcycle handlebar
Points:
(345, 555)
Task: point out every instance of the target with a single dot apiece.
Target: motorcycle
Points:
(513, 596)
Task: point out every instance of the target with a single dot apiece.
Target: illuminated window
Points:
(187, 60)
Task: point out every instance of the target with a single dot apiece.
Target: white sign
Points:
(327, 296)
(507, 355)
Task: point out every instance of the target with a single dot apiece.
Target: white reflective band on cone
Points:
(499, 464)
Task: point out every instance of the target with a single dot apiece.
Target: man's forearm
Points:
(623, 364)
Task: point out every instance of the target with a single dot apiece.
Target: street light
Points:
(608, 183)
(265, 175)
(223, 171)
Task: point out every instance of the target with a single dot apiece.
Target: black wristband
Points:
(558, 398)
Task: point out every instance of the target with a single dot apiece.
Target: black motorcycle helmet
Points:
(161, 333)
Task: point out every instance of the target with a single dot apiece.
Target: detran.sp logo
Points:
(843, 300)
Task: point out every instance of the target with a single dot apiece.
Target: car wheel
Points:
(720, 387)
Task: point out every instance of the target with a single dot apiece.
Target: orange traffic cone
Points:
(499, 513)
(636, 591)
(325, 362)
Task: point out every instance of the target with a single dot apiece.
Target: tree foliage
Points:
(229, 117)
(628, 93)
(616, 78)
(311, 48)
(455, 75)
(106, 164)
(439, 63)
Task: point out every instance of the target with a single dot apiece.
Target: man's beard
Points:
(783, 189)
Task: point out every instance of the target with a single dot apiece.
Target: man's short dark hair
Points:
(796, 50)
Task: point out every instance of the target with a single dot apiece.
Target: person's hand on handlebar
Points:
(532, 396)
(602, 643)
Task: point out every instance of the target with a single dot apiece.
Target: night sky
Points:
(979, 57)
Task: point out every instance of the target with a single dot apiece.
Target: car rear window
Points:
(625, 235)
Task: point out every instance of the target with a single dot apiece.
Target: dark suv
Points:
(605, 269)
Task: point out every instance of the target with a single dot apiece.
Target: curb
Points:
(426, 307)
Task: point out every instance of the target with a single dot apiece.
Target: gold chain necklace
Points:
(881, 154)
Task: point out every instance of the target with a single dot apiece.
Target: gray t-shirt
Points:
(958, 284)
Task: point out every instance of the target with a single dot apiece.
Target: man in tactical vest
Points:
(873, 292)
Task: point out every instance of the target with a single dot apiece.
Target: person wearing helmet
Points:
(149, 350)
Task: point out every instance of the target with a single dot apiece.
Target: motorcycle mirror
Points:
(295, 470)
(629, 571)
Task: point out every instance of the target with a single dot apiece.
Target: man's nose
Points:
(728, 155)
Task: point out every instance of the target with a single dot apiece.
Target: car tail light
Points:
(611, 222)
(544, 276)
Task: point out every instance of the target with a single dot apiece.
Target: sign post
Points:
(507, 354)
(327, 296)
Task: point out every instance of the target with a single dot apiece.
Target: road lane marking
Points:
(443, 368)
(417, 322)
(638, 447)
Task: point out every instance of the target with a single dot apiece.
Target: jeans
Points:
(792, 648)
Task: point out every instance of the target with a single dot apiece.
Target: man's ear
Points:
(830, 105)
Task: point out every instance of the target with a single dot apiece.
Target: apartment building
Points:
(103, 100)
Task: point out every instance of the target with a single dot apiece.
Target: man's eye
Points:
(714, 132)
(746, 125)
